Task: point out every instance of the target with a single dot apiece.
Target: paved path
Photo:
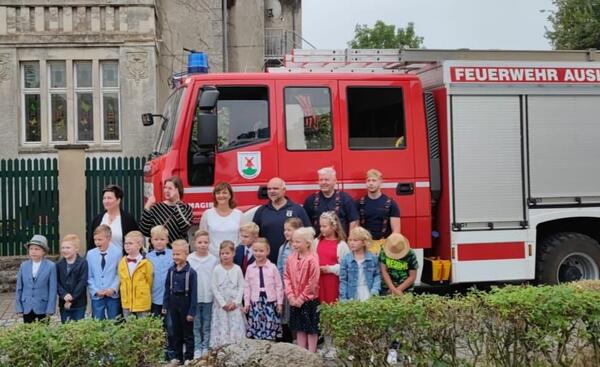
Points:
(7, 311)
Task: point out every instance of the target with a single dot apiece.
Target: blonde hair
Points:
(103, 229)
(73, 239)
(227, 245)
(263, 241)
(137, 235)
(181, 244)
(200, 233)
(361, 233)
(334, 221)
(251, 228)
(294, 222)
(374, 173)
(159, 230)
(307, 234)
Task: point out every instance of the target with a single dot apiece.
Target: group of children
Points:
(209, 302)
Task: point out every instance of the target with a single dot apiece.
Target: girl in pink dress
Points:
(330, 248)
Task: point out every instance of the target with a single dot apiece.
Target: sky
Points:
(445, 24)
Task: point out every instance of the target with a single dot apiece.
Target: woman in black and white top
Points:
(119, 221)
(172, 213)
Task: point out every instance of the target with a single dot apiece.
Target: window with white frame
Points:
(70, 101)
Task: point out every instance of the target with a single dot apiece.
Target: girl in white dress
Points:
(228, 321)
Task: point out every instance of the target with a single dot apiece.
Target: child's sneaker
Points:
(197, 354)
(174, 363)
(392, 357)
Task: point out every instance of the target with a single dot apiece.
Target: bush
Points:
(89, 342)
(509, 326)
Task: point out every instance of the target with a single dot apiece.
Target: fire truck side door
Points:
(308, 134)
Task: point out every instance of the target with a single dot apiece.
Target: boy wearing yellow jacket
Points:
(135, 273)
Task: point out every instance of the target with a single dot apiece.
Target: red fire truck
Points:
(492, 156)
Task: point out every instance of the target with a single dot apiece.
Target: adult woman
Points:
(119, 221)
(172, 213)
(222, 221)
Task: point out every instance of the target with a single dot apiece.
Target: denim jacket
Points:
(349, 275)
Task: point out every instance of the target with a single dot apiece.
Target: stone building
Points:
(83, 71)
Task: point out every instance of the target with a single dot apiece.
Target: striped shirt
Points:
(176, 218)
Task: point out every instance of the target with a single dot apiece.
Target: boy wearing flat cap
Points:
(36, 282)
(398, 264)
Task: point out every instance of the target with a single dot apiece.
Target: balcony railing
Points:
(279, 42)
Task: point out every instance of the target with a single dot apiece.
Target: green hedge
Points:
(509, 326)
(137, 342)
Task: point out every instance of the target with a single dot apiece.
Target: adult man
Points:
(378, 213)
(271, 216)
(330, 199)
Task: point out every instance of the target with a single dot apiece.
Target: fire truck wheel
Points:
(568, 257)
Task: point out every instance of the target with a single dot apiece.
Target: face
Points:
(260, 251)
(159, 241)
(288, 230)
(327, 183)
(101, 240)
(275, 190)
(201, 244)
(326, 227)
(36, 252)
(223, 197)
(373, 184)
(132, 246)
(226, 256)
(299, 244)
(356, 244)
(246, 238)
(179, 255)
(68, 250)
(170, 192)
(110, 201)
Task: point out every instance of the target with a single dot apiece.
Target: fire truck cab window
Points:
(242, 116)
(376, 118)
(308, 119)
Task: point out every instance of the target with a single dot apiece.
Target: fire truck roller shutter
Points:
(564, 149)
(487, 172)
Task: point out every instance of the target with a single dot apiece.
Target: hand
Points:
(189, 318)
(246, 308)
(279, 309)
(101, 293)
(325, 269)
(67, 305)
(68, 297)
(109, 292)
(151, 201)
(163, 311)
(397, 292)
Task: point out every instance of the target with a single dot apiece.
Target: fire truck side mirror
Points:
(147, 119)
(208, 98)
(207, 129)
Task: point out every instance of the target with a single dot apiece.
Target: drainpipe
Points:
(225, 36)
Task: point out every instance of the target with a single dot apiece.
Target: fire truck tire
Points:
(566, 257)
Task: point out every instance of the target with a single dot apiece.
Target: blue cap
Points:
(197, 63)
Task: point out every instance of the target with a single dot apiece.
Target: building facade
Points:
(83, 71)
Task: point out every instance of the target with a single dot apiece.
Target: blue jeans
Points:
(72, 314)
(202, 326)
(106, 308)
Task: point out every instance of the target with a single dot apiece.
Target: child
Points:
(179, 303)
(263, 295)
(203, 262)
(36, 283)
(72, 275)
(135, 274)
(289, 226)
(360, 276)
(330, 249)
(398, 264)
(161, 258)
(103, 279)
(243, 252)
(228, 324)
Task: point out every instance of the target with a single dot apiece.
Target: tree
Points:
(385, 36)
(575, 24)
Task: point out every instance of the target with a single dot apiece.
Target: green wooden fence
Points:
(125, 172)
(28, 203)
